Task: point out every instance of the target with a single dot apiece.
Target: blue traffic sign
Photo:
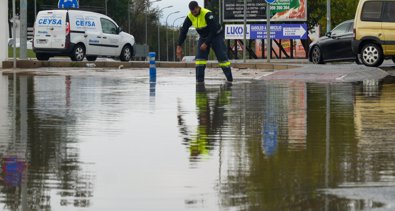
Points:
(270, 1)
(66, 4)
(279, 31)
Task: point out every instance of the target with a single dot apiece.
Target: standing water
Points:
(103, 143)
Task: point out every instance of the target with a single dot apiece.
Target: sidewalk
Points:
(286, 70)
(275, 64)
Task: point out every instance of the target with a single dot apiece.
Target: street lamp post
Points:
(159, 30)
(167, 36)
(174, 46)
(146, 19)
(129, 8)
(328, 15)
(35, 9)
(105, 5)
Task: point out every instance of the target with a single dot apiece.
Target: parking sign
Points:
(65, 4)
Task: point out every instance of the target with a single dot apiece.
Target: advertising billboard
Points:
(281, 10)
(258, 31)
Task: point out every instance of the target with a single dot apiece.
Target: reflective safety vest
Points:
(199, 22)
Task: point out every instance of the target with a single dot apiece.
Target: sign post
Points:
(268, 52)
(3, 31)
(14, 40)
(244, 31)
(66, 4)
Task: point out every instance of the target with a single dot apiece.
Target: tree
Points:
(341, 10)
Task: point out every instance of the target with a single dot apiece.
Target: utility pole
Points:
(23, 29)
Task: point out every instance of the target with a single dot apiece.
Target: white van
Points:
(77, 34)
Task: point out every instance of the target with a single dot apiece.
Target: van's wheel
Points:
(91, 58)
(42, 57)
(78, 53)
(372, 55)
(316, 55)
(126, 53)
(393, 59)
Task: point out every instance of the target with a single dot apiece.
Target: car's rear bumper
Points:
(55, 51)
(355, 46)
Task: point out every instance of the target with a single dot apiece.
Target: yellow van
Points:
(374, 31)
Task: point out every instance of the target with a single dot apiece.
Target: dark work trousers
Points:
(218, 45)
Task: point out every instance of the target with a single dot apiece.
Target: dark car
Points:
(334, 46)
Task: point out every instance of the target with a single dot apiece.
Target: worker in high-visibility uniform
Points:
(211, 36)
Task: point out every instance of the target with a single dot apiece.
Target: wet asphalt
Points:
(120, 99)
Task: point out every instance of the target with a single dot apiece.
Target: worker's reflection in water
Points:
(211, 109)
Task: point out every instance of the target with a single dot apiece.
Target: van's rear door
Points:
(50, 29)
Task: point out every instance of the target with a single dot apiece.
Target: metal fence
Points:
(141, 51)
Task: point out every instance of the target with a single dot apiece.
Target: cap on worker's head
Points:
(192, 5)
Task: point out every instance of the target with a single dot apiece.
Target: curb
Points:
(30, 64)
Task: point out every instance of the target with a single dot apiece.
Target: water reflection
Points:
(293, 167)
(374, 124)
(211, 102)
(99, 143)
(284, 116)
(40, 159)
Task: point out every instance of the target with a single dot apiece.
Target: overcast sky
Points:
(178, 5)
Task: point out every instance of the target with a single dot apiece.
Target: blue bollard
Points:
(152, 67)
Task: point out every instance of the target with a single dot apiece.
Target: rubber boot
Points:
(228, 73)
(200, 88)
(200, 73)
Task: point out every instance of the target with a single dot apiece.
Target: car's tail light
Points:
(67, 28)
(67, 43)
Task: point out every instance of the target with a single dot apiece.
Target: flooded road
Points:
(107, 142)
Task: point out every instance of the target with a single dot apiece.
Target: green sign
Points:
(280, 10)
(283, 5)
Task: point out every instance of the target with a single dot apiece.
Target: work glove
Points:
(179, 52)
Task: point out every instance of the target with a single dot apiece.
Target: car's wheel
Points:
(126, 53)
(316, 55)
(78, 53)
(372, 55)
(42, 57)
(91, 58)
(393, 59)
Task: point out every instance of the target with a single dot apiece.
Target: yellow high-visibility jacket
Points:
(205, 24)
